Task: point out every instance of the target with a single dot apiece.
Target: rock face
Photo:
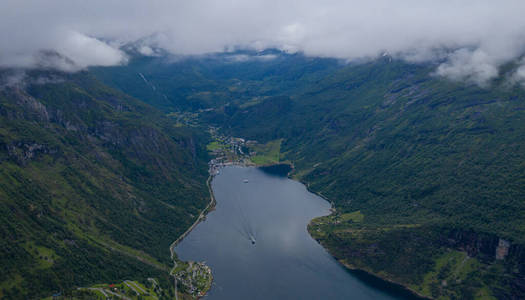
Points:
(489, 249)
(478, 245)
(22, 152)
(484, 246)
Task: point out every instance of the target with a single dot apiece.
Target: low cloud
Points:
(472, 38)
(87, 51)
(519, 75)
(246, 57)
(68, 51)
(474, 66)
(146, 50)
(18, 78)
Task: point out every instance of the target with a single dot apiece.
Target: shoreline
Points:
(212, 202)
(387, 280)
(353, 268)
(356, 270)
(346, 265)
(201, 217)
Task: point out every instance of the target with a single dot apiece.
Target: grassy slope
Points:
(267, 154)
(94, 186)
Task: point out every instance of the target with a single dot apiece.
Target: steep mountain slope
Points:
(94, 185)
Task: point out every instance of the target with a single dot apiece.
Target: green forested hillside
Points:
(434, 168)
(94, 185)
(226, 80)
(392, 137)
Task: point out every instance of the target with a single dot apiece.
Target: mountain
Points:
(94, 185)
(173, 83)
(426, 175)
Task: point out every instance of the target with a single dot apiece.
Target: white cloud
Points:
(519, 74)
(470, 65)
(88, 51)
(245, 57)
(146, 50)
(487, 33)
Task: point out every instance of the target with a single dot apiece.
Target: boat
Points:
(245, 180)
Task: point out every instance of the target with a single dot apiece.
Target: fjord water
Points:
(284, 262)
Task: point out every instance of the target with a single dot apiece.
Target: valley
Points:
(252, 149)
(424, 174)
(423, 160)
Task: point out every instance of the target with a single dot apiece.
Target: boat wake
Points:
(245, 227)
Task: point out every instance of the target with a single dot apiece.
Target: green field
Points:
(215, 145)
(135, 290)
(266, 154)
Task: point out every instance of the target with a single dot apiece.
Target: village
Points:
(229, 151)
(193, 278)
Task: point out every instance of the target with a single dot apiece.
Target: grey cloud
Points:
(483, 34)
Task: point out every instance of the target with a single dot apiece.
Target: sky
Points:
(470, 39)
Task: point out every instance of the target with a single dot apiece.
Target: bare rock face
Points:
(23, 106)
(22, 152)
(19, 105)
(31, 106)
(481, 246)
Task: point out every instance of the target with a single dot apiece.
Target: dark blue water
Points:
(285, 262)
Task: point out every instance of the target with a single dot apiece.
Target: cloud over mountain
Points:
(479, 35)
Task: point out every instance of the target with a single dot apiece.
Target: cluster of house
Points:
(234, 152)
(195, 279)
